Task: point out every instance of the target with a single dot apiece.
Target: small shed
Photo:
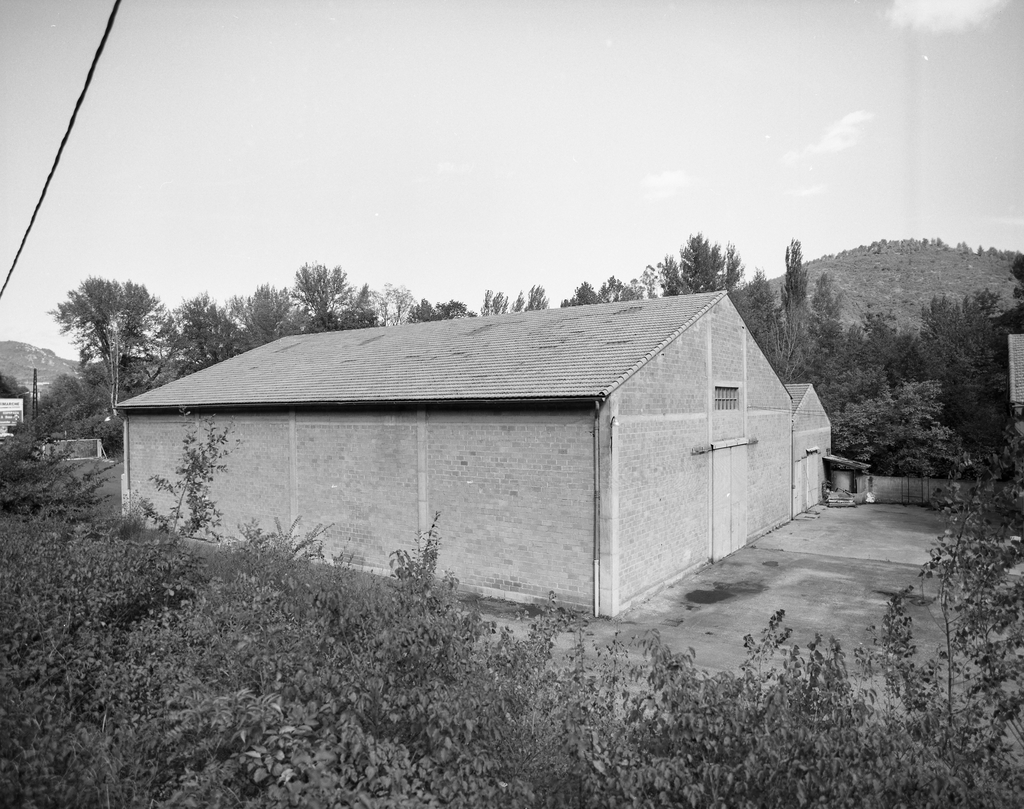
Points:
(594, 452)
(812, 443)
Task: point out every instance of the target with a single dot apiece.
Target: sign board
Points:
(12, 411)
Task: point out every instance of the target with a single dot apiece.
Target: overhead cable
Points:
(71, 123)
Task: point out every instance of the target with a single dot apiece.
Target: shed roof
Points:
(581, 352)
(797, 393)
(1016, 346)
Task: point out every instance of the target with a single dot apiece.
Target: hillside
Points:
(18, 359)
(899, 277)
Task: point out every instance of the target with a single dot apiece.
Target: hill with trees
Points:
(897, 278)
(18, 359)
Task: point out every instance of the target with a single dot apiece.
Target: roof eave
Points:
(343, 403)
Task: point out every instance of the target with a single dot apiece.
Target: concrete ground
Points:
(831, 570)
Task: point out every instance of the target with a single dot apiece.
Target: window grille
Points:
(727, 398)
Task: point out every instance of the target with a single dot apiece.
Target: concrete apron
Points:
(831, 570)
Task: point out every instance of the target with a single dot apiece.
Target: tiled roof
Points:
(797, 393)
(1016, 345)
(573, 353)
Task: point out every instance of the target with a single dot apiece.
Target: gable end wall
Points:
(665, 421)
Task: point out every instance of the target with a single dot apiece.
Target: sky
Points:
(455, 147)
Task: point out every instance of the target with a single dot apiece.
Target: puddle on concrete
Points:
(724, 590)
(708, 596)
(770, 564)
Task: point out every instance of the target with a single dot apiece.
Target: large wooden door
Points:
(729, 500)
(799, 486)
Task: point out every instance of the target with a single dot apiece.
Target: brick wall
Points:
(662, 414)
(356, 472)
(516, 494)
(811, 429)
(769, 421)
(514, 487)
(255, 484)
(662, 485)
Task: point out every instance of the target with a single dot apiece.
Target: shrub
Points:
(967, 697)
(34, 482)
(194, 513)
(128, 676)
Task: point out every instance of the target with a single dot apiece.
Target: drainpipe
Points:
(126, 474)
(597, 508)
(792, 465)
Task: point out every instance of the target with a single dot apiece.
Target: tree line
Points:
(129, 341)
(909, 402)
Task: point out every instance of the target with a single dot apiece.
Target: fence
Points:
(906, 490)
(76, 448)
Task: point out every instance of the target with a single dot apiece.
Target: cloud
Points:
(940, 16)
(1013, 221)
(810, 191)
(453, 168)
(665, 185)
(843, 134)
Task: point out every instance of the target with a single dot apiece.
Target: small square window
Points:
(727, 398)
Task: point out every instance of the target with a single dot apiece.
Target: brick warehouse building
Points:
(812, 444)
(595, 451)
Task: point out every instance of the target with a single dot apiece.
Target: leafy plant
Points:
(203, 450)
(132, 675)
(36, 482)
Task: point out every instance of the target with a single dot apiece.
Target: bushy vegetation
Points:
(35, 481)
(137, 671)
(133, 673)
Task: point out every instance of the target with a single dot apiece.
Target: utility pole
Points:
(35, 394)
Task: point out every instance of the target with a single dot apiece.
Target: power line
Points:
(71, 124)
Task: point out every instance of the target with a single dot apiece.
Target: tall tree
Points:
(537, 299)
(203, 334)
(759, 308)
(1012, 321)
(321, 295)
(825, 333)
(264, 316)
(614, 290)
(734, 268)
(424, 311)
(583, 296)
(10, 388)
(393, 304)
(649, 282)
(495, 303)
(121, 326)
(360, 312)
(961, 348)
(701, 267)
(790, 349)
(520, 303)
(897, 431)
(794, 285)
